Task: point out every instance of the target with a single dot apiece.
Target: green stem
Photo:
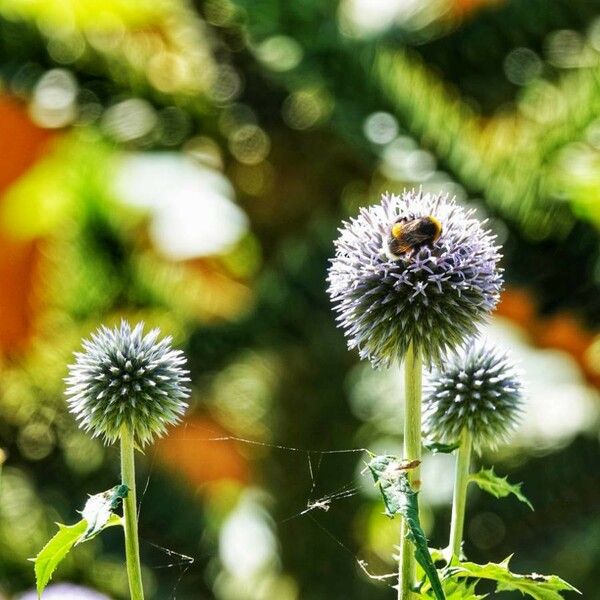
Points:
(412, 450)
(132, 550)
(461, 481)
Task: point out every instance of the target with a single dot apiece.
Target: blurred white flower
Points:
(247, 545)
(558, 403)
(366, 18)
(65, 591)
(192, 208)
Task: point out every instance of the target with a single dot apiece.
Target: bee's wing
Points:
(412, 236)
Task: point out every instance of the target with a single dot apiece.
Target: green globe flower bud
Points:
(127, 379)
(478, 389)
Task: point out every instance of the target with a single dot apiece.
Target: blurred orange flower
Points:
(25, 144)
(188, 449)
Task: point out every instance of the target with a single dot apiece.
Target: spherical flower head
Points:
(434, 295)
(127, 379)
(478, 389)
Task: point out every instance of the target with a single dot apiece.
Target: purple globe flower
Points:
(127, 379)
(478, 389)
(434, 295)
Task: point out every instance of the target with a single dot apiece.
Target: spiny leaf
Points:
(461, 590)
(437, 554)
(99, 508)
(54, 551)
(498, 486)
(454, 589)
(390, 475)
(438, 448)
(539, 587)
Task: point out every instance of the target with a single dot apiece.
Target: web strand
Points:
(314, 504)
(185, 562)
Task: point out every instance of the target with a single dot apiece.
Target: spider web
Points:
(315, 504)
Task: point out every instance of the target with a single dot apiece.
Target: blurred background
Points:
(188, 164)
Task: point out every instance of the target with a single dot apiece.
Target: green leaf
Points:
(54, 551)
(390, 475)
(499, 487)
(99, 509)
(437, 448)
(461, 590)
(454, 589)
(539, 587)
(437, 554)
(97, 515)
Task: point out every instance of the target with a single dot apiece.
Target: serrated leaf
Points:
(390, 475)
(461, 590)
(498, 486)
(55, 551)
(99, 509)
(539, 587)
(437, 448)
(437, 554)
(454, 589)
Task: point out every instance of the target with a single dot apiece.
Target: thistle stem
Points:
(412, 450)
(461, 481)
(132, 550)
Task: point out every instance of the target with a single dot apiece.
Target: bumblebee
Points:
(407, 237)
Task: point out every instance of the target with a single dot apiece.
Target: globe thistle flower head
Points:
(434, 296)
(124, 378)
(480, 390)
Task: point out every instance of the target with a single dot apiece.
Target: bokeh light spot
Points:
(130, 120)
(54, 99)
(305, 108)
(280, 53)
(249, 144)
(521, 65)
(381, 127)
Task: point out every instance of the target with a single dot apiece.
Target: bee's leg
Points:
(389, 250)
(409, 255)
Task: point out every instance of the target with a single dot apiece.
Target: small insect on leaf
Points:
(99, 509)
